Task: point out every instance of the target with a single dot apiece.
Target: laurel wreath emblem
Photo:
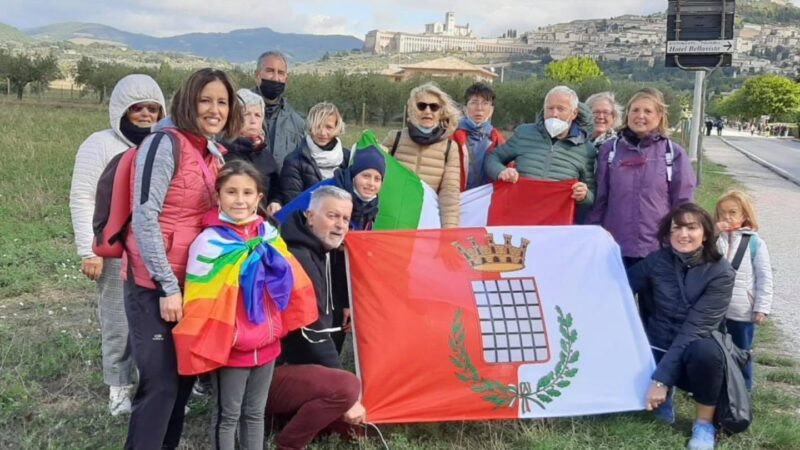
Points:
(548, 387)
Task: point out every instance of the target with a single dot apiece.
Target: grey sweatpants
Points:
(118, 366)
(240, 392)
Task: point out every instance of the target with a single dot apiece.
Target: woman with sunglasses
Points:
(136, 105)
(424, 148)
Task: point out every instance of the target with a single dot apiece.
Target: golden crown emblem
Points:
(494, 257)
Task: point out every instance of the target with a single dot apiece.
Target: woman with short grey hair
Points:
(607, 116)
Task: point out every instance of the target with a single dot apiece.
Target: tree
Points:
(23, 69)
(771, 95)
(100, 77)
(574, 69)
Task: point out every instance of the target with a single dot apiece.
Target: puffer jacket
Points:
(537, 156)
(300, 171)
(98, 149)
(752, 291)
(435, 165)
(688, 303)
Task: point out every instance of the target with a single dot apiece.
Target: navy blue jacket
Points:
(688, 303)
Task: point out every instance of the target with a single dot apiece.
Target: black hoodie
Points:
(312, 255)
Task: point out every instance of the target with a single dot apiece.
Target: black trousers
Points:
(158, 407)
(702, 370)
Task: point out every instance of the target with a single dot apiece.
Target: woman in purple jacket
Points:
(641, 176)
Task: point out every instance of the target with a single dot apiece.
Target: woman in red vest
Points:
(172, 189)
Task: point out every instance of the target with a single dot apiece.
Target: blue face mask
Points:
(426, 130)
(228, 219)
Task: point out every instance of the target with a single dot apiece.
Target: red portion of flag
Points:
(412, 299)
(532, 202)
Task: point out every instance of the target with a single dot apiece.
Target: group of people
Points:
(211, 178)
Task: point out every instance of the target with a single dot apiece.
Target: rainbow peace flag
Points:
(223, 269)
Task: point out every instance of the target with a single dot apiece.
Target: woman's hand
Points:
(656, 395)
(509, 175)
(171, 307)
(759, 318)
(92, 267)
(355, 415)
(273, 207)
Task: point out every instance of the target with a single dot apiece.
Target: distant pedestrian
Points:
(136, 105)
(740, 243)
(720, 125)
(709, 126)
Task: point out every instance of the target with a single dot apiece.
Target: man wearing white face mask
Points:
(556, 147)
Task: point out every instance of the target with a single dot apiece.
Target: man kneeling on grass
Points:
(311, 389)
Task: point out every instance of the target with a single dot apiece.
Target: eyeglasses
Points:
(422, 106)
(603, 113)
(479, 104)
(152, 108)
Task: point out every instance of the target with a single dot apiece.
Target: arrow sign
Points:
(700, 47)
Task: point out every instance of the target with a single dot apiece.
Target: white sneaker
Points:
(119, 399)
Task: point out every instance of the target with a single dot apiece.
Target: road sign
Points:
(700, 47)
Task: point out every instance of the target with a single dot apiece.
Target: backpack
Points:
(669, 156)
(113, 198)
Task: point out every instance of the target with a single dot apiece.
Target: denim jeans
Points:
(742, 334)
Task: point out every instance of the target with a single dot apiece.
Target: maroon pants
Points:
(313, 397)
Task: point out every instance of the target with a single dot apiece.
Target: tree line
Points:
(766, 95)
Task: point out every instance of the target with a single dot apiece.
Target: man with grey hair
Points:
(283, 126)
(311, 236)
(556, 147)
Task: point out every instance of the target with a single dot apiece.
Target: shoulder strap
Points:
(613, 151)
(447, 152)
(737, 258)
(669, 157)
(396, 141)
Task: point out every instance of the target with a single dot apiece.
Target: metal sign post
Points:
(699, 39)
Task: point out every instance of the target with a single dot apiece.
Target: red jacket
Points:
(460, 138)
(181, 220)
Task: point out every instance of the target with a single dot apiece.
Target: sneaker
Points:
(666, 411)
(702, 436)
(202, 387)
(119, 400)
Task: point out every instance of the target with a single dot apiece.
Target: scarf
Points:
(425, 139)
(601, 139)
(691, 259)
(134, 134)
(327, 160)
(478, 142)
(364, 211)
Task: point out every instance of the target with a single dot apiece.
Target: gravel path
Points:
(778, 208)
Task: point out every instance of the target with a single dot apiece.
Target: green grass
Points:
(51, 391)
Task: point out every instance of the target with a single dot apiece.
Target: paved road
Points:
(778, 207)
(782, 153)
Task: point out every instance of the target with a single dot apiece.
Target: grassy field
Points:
(51, 391)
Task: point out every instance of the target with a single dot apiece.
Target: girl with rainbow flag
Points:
(240, 282)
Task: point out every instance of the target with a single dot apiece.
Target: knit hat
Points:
(368, 158)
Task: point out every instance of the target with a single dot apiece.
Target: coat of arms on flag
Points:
(460, 325)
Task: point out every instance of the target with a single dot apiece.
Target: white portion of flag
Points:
(429, 216)
(475, 206)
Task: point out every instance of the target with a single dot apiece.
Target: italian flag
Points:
(408, 203)
(494, 323)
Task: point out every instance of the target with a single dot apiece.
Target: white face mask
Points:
(556, 126)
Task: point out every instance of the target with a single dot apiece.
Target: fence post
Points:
(363, 113)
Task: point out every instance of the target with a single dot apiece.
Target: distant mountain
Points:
(235, 46)
(9, 33)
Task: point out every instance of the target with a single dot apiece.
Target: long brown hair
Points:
(184, 104)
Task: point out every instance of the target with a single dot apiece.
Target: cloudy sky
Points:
(171, 17)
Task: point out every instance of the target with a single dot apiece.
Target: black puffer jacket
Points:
(689, 302)
(262, 159)
(311, 254)
(300, 171)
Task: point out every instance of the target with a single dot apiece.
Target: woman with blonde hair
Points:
(424, 148)
(641, 176)
(318, 155)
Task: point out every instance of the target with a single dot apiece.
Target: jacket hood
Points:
(295, 233)
(130, 90)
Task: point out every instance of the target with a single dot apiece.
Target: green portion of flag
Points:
(367, 139)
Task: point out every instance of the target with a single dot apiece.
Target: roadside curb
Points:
(782, 173)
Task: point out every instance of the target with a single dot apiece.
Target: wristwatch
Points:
(659, 384)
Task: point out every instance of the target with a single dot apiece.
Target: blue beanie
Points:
(368, 158)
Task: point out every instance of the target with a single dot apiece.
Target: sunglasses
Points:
(422, 106)
(150, 107)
